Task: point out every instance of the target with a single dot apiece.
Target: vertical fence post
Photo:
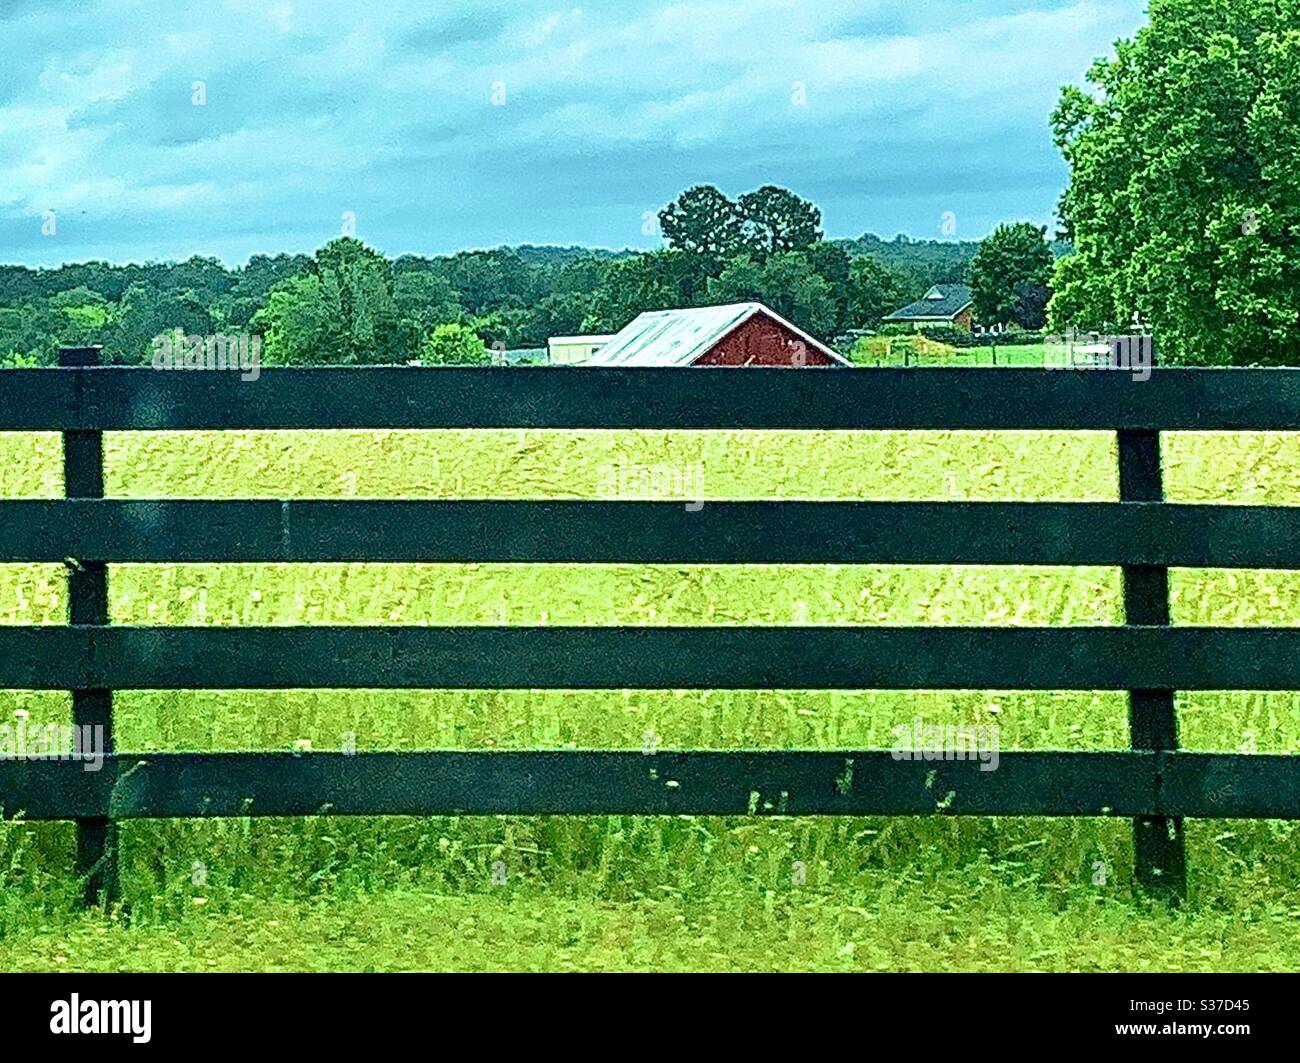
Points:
(1159, 850)
(83, 477)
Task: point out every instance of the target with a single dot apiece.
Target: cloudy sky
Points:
(156, 130)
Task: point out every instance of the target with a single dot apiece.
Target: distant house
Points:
(569, 350)
(944, 304)
(737, 334)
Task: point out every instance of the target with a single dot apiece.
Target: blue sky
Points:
(472, 123)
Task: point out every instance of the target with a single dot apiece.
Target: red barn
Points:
(736, 334)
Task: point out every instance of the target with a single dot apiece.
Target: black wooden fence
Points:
(1155, 784)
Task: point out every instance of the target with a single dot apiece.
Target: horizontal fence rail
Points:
(702, 782)
(992, 533)
(107, 399)
(120, 657)
(1153, 783)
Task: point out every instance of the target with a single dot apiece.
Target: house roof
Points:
(943, 302)
(680, 337)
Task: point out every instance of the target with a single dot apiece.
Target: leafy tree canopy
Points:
(785, 282)
(453, 344)
(704, 221)
(1184, 195)
(1009, 276)
(768, 221)
(776, 221)
(342, 313)
(873, 291)
(657, 280)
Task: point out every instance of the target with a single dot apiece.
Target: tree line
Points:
(348, 304)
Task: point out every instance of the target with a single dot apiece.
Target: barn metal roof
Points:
(679, 337)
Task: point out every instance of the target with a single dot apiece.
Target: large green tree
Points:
(1184, 195)
(767, 221)
(341, 313)
(776, 220)
(703, 221)
(1009, 276)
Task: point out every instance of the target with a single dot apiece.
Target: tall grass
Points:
(169, 867)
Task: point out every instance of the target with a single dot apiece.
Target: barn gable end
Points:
(762, 340)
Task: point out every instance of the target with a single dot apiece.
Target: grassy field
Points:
(879, 351)
(639, 892)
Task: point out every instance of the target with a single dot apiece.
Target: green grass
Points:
(875, 351)
(643, 892)
(985, 920)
